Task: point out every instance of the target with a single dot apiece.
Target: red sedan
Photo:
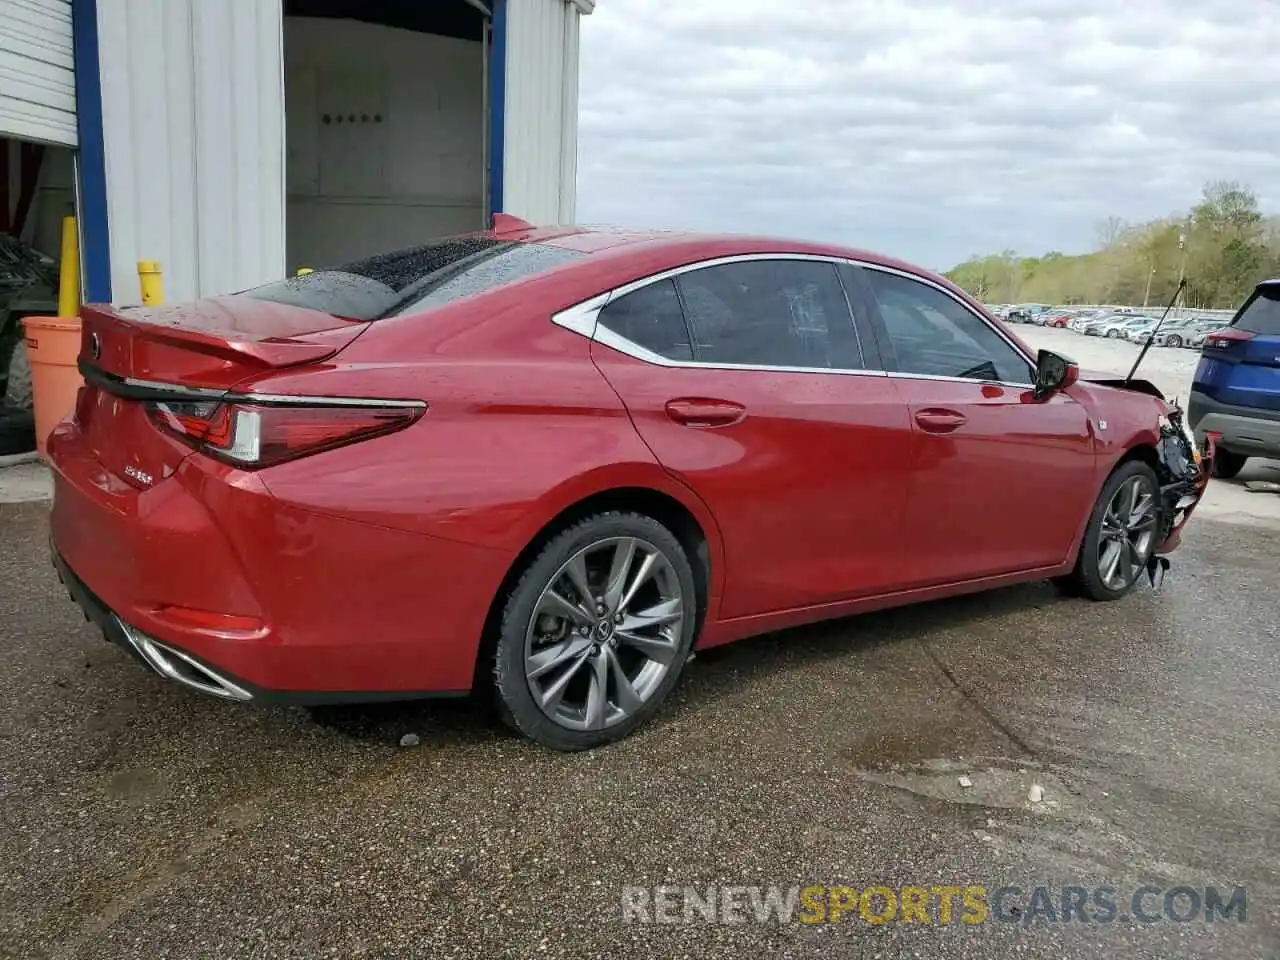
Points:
(552, 463)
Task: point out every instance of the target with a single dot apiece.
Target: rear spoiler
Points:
(236, 346)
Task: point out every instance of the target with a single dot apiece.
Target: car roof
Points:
(608, 243)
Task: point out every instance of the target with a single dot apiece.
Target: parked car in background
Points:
(1084, 317)
(1183, 335)
(547, 465)
(1027, 312)
(1197, 339)
(1116, 326)
(1170, 325)
(1235, 394)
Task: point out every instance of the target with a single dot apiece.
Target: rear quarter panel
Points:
(520, 426)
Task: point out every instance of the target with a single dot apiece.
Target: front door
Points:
(746, 380)
(1000, 481)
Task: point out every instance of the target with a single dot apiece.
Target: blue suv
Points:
(1236, 391)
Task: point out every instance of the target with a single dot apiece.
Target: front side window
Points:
(777, 313)
(932, 333)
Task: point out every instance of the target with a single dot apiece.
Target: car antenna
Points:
(1154, 330)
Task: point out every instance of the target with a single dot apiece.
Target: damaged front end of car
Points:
(1183, 471)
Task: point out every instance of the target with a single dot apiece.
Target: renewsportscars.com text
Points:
(936, 904)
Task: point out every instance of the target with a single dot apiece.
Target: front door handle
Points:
(705, 412)
(939, 419)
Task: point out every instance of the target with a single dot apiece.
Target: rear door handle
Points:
(939, 420)
(704, 412)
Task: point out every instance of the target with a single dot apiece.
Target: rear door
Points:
(1000, 482)
(747, 381)
(1240, 365)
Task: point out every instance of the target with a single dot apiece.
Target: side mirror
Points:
(1053, 372)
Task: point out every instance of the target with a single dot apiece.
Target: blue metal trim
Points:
(497, 105)
(95, 267)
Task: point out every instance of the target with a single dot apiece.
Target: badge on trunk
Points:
(95, 346)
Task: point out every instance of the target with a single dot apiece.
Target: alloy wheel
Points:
(605, 633)
(1128, 532)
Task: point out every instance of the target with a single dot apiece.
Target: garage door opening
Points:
(37, 191)
(386, 125)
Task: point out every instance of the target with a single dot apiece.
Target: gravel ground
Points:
(143, 821)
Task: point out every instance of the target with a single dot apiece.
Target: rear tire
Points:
(1173, 341)
(1226, 464)
(578, 675)
(1121, 534)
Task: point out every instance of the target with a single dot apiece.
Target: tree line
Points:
(1223, 246)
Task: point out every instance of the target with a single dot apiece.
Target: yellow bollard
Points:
(69, 270)
(152, 283)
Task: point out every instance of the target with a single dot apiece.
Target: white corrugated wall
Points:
(193, 121)
(540, 155)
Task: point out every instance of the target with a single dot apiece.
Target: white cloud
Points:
(923, 128)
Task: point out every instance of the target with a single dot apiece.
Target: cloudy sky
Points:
(927, 129)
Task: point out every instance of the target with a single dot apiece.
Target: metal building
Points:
(239, 139)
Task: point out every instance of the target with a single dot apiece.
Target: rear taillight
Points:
(1227, 337)
(251, 434)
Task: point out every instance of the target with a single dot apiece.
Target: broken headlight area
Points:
(1183, 472)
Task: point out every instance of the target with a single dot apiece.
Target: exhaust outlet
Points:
(177, 666)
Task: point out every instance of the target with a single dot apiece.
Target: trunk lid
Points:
(195, 351)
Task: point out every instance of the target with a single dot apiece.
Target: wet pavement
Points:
(138, 820)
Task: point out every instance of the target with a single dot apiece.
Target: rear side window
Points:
(651, 318)
(418, 278)
(1262, 313)
(776, 313)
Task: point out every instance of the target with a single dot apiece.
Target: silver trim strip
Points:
(584, 319)
(269, 399)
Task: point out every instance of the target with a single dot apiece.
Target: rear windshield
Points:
(1262, 313)
(406, 281)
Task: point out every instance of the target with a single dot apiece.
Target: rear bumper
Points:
(214, 583)
(1243, 430)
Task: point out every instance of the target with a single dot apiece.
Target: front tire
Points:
(1173, 341)
(1121, 534)
(596, 632)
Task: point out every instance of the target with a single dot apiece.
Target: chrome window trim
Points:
(977, 316)
(584, 319)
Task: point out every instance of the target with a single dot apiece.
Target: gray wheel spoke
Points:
(576, 571)
(668, 611)
(659, 649)
(1146, 523)
(624, 552)
(558, 606)
(548, 658)
(646, 570)
(1111, 560)
(1145, 507)
(598, 693)
(553, 694)
(625, 696)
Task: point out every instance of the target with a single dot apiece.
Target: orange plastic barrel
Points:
(53, 344)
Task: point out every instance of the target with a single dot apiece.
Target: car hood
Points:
(1111, 379)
